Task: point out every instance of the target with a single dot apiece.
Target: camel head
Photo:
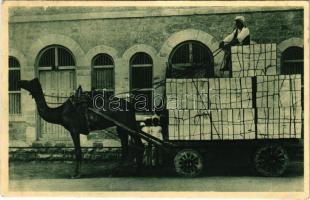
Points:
(33, 86)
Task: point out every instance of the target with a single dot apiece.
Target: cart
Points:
(189, 158)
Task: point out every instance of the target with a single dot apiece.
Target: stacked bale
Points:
(278, 97)
(224, 108)
(214, 108)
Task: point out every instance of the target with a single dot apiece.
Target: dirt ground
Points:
(55, 176)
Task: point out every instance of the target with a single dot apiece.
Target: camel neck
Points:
(48, 114)
(40, 100)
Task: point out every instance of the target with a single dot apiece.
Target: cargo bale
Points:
(279, 122)
(278, 91)
(254, 60)
(278, 115)
(229, 92)
(279, 130)
(182, 93)
(224, 124)
(213, 93)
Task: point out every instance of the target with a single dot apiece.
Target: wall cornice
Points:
(142, 14)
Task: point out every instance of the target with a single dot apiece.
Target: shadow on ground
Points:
(57, 169)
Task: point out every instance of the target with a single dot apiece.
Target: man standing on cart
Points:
(239, 36)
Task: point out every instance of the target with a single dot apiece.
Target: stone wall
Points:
(17, 134)
(122, 34)
(41, 153)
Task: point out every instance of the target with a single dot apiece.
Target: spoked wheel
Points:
(188, 162)
(271, 160)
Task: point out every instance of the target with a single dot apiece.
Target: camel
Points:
(69, 116)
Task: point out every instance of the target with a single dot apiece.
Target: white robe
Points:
(242, 34)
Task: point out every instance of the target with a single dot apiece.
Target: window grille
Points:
(103, 75)
(190, 59)
(56, 58)
(14, 90)
(292, 61)
(141, 81)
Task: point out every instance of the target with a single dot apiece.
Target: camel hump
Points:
(81, 97)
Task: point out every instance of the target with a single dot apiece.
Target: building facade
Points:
(121, 50)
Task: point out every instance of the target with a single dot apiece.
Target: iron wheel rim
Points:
(188, 163)
(271, 161)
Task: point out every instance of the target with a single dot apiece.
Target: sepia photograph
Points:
(155, 97)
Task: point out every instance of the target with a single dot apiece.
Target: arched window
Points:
(292, 60)
(190, 59)
(56, 71)
(103, 75)
(56, 57)
(14, 90)
(141, 81)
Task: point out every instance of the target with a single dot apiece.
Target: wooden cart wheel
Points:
(188, 162)
(271, 160)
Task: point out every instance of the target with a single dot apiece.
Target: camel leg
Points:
(124, 142)
(78, 154)
(139, 150)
